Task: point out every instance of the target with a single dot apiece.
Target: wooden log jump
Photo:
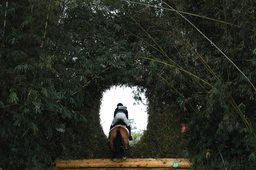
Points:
(170, 163)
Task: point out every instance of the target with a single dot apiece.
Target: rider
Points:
(121, 113)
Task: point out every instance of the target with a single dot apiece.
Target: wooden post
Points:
(176, 163)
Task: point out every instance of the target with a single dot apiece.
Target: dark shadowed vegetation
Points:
(58, 56)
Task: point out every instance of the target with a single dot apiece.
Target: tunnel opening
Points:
(134, 99)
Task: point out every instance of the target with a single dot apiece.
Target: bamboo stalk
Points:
(212, 43)
(5, 13)
(128, 163)
(183, 12)
(181, 69)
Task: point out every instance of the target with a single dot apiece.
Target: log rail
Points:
(141, 163)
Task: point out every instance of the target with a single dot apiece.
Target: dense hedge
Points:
(57, 57)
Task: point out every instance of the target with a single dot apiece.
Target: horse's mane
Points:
(118, 142)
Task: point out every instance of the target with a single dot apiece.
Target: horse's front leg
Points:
(125, 147)
(113, 157)
(124, 154)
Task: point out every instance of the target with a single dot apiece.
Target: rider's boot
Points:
(130, 135)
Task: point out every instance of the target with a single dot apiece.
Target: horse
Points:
(119, 141)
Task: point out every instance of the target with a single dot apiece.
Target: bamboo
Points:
(128, 163)
(212, 43)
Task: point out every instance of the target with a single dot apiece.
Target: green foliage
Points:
(163, 119)
(57, 57)
(136, 137)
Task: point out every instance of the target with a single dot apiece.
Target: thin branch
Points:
(182, 12)
(222, 159)
(181, 69)
(155, 42)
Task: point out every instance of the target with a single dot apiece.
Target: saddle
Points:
(120, 123)
(123, 126)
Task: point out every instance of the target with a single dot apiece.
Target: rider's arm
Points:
(115, 112)
(126, 113)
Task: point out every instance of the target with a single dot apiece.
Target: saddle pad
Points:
(123, 126)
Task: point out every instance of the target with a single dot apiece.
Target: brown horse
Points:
(118, 140)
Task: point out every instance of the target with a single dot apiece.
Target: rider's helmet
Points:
(120, 106)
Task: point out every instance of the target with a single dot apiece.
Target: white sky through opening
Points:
(122, 94)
